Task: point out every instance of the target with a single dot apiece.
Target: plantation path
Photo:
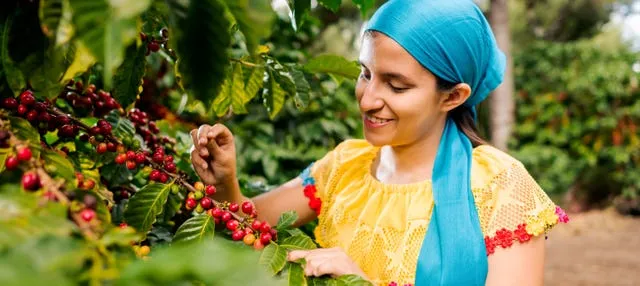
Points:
(595, 248)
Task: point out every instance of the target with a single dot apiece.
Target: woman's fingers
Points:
(196, 144)
(297, 254)
(200, 164)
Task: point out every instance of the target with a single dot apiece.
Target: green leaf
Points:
(253, 80)
(333, 65)
(50, 14)
(120, 236)
(58, 164)
(116, 174)
(232, 93)
(303, 89)
(298, 242)
(202, 39)
(364, 6)
(298, 9)
(121, 126)
(129, 75)
(351, 279)
(106, 28)
(24, 131)
(4, 153)
(296, 275)
(273, 94)
(274, 257)
(146, 205)
(195, 229)
(13, 75)
(332, 5)
(286, 220)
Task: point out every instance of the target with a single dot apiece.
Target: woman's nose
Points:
(370, 99)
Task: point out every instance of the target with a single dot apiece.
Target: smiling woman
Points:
(422, 199)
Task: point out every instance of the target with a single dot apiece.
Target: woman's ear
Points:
(455, 97)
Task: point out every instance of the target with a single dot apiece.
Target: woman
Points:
(423, 200)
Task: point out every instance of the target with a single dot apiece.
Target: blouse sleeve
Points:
(521, 209)
(314, 179)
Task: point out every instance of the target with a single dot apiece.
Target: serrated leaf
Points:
(121, 126)
(274, 257)
(286, 220)
(58, 164)
(298, 242)
(298, 8)
(129, 75)
(50, 13)
(273, 94)
(232, 94)
(195, 229)
(253, 80)
(24, 131)
(332, 5)
(106, 28)
(12, 74)
(202, 38)
(296, 275)
(303, 88)
(174, 202)
(145, 205)
(120, 236)
(333, 65)
(82, 60)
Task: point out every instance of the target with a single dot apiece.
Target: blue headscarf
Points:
(452, 39)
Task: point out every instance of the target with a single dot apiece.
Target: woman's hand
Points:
(326, 261)
(214, 155)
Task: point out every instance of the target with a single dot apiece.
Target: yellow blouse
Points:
(382, 226)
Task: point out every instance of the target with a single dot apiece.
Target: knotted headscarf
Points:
(453, 40)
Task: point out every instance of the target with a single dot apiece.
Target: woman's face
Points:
(398, 98)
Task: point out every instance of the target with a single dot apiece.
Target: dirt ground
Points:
(595, 248)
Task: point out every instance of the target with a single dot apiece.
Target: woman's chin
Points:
(377, 140)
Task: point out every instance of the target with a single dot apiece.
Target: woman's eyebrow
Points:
(391, 75)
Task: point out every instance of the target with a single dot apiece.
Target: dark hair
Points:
(462, 115)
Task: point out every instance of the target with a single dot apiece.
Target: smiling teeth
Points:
(377, 120)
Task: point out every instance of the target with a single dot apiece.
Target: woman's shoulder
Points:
(352, 150)
(490, 162)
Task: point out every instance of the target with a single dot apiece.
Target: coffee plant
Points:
(96, 184)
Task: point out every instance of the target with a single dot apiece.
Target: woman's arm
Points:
(214, 160)
(521, 264)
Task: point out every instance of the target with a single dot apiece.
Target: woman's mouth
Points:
(375, 122)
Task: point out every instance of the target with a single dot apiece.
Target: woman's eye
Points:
(365, 75)
(397, 89)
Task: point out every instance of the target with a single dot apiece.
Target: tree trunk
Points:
(502, 102)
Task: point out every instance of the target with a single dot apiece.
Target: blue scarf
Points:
(452, 39)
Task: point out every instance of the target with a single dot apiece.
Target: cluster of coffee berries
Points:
(84, 184)
(166, 161)
(199, 199)
(88, 207)
(100, 101)
(141, 251)
(131, 159)
(147, 128)
(30, 180)
(155, 43)
(98, 137)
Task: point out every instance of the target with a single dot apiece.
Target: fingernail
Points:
(203, 141)
(204, 166)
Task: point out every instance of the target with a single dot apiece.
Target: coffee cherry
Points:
(106, 129)
(30, 181)
(10, 103)
(237, 235)
(217, 213)
(102, 148)
(158, 158)
(124, 194)
(32, 116)
(112, 147)
(164, 177)
(265, 238)
(175, 189)
(22, 109)
(190, 203)
(123, 225)
(199, 186)
(233, 207)
(210, 190)
(247, 207)
(171, 167)
(87, 214)
(155, 175)
(44, 117)
(199, 209)
(153, 46)
(144, 250)
(131, 165)
(40, 107)
(249, 238)
(67, 131)
(258, 245)
(27, 98)
(11, 163)
(232, 224)
(168, 159)
(226, 216)
(198, 195)
(265, 227)
(274, 234)
(131, 155)
(206, 203)
(24, 154)
(88, 184)
(256, 224)
(121, 158)
(140, 159)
